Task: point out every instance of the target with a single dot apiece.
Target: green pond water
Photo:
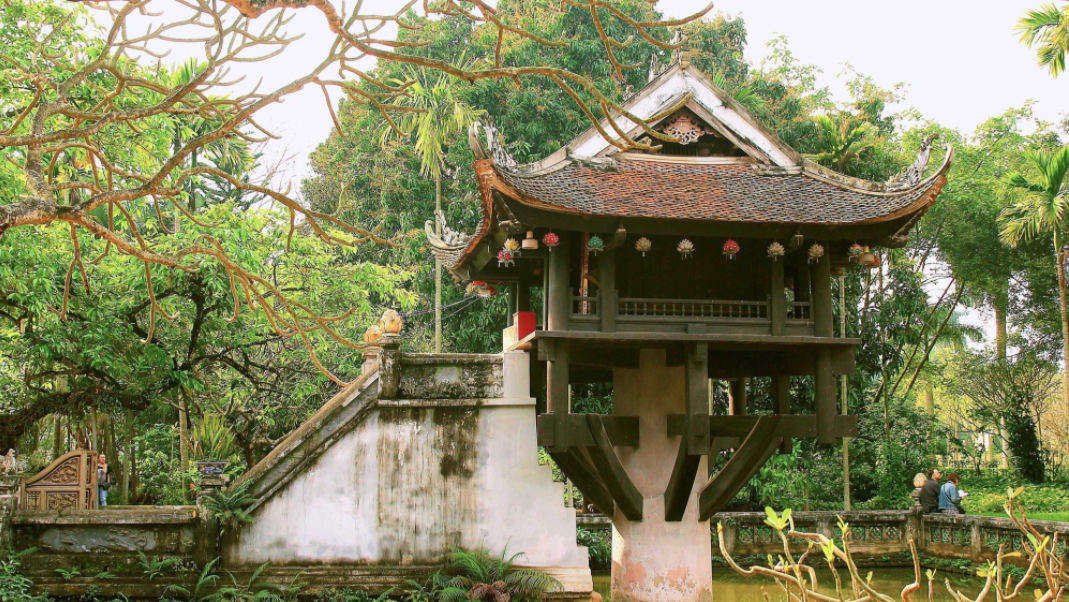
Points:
(729, 586)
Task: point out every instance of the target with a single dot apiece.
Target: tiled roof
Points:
(716, 192)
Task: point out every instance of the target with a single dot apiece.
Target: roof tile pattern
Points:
(705, 192)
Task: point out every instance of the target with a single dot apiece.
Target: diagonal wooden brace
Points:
(585, 478)
(681, 484)
(624, 493)
(755, 450)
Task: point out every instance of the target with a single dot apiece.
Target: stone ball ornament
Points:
(390, 322)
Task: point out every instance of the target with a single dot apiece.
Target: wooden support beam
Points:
(585, 478)
(557, 387)
(681, 483)
(607, 290)
(825, 393)
(559, 293)
(777, 306)
(822, 310)
(627, 497)
(538, 383)
(573, 430)
(609, 358)
(781, 404)
(737, 396)
(523, 287)
(695, 441)
(795, 426)
(755, 450)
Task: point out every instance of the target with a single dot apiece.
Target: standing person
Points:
(930, 491)
(949, 497)
(103, 480)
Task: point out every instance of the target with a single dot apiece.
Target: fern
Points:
(229, 507)
(478, 575)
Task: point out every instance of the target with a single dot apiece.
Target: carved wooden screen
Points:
(69, 483)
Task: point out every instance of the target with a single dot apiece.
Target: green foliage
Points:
(1048, 28)
(228, 506)
(14, 586)
(598, 544)
(159, 566)
(477, 575)
(358, 595)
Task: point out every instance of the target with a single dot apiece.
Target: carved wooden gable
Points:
(68, 483)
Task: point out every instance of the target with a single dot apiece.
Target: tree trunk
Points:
(1059, 257)
(437, 268)
(183, 432)
(57, 437)
(127, 457)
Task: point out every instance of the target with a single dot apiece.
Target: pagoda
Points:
(709, 257)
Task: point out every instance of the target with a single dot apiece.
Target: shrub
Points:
(477, 575)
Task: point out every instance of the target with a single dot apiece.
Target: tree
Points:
(1047, 27)
(1008, 391)
(1043, 212)
(437, 117)
(90, 104)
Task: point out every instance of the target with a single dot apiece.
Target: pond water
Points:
(729, 586)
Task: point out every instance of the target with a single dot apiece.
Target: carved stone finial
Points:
(915, 172)
(655, 68)
(450, 239)
(494, 149)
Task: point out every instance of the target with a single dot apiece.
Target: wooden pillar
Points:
(777, 306)
(822, 311)
(607, 279)
(523, 287)
(781, 404)
(825, 394)
(514, 293)
(538, 383)
(695, 442)
(801, 290)
(737, 396)
(557, 390)
(559, 292)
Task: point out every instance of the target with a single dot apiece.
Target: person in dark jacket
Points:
(930, 491)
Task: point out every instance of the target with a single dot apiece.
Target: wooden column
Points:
(514, 293)
(777, 306)
(825, 394)
(523, 287)
(737, 396)
(607, 290)
(822, 311)
(781, 404)
(559, 293)
(538, 383)
(801, 288)
(557, 390)
(695, 441)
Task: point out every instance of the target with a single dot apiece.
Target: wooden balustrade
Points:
(693, 308)
(799, 310)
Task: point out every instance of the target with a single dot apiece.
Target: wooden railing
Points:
(667, 309)
(799, 310)
(585, 306)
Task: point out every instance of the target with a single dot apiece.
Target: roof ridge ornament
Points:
(494, 148)
(450, 239)
(913, 174)
(605, 164)
(688, 129)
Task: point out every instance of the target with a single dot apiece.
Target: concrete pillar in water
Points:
(655, 560)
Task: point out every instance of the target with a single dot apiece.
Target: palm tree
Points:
(1041, 212)
(435, 115)
(841, 144)
(1047, 26)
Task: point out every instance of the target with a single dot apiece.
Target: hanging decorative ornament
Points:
(731, 248)
(512, 245)
(530, 243)
(550, 240)
(478, 287)
(815, 253)
(488, 292)
(855, 251)
(685, 248)
(776, 250)
(642, 245)
(505, 258)
(867, 258)
(595, 244)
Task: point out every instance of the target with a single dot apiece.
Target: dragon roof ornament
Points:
(450, 239)
(494, 148)
(913, 174)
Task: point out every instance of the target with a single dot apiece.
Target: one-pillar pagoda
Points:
(707, 257)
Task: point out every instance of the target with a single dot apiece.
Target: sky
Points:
(962, 60)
